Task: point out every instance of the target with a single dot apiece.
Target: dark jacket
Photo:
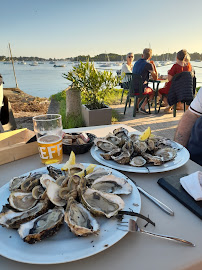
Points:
(181, 89)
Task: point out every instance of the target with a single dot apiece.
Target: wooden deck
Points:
(161, 124)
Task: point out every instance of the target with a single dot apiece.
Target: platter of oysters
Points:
(138, 152)
(64, 212)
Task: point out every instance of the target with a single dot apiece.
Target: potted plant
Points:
(93, 86)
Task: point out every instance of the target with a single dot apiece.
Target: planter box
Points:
(97, 117)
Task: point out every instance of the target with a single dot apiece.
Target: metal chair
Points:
(136, 90)
(125, 85)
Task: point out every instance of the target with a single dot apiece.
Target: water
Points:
(45, 80)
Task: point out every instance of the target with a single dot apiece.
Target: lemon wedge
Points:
(88, 170)
(145, 135)
(71, 161)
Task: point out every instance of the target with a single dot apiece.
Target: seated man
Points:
(144, 67)
(189, 130)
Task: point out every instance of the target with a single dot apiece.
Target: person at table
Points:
(189, 130)
(182, 64)
(144, 67)
(127, 67)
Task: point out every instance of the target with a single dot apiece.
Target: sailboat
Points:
(108, 64)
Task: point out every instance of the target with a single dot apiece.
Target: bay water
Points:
(45, 80)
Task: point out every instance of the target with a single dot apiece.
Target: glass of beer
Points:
(48, 129)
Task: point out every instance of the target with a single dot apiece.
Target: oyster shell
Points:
(45, 180)
(79, 219)
(62, 180)
(128, 147)
(156, 160)
(108, 155)
(138, 161)
(123, 158)
(76, 168)
(54, 172)
(113, 139)
(104, 145)
(166, 153)
(121, 133)
(21, 201)
(97, 173)
(30, 182)
(11, 219)
(151, 144)
(43, 226)
(112, 184)
(16, 182)
(140, 147)
(38, 192)
(53, 194)
(100, 203)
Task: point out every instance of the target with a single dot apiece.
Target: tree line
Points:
(104, 57)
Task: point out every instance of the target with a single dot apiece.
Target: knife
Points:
(164, 207)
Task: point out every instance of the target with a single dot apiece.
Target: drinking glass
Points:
(48, 129)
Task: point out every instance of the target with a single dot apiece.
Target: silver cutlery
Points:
(131, 226)
(164, 207)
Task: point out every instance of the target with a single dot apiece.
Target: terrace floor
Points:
(161, 124)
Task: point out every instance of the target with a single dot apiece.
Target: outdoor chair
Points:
(125, 85)
(136, 90)
(7, 120)
(181, 90)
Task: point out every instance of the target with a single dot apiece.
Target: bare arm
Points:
(184, 128)
(154, 72)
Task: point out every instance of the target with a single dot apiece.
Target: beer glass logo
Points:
(50, 151)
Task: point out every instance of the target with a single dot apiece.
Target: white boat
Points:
(22, 63)
(35, 63)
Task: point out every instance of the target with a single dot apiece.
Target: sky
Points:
(64, 28)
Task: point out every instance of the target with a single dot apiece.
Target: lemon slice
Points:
(71, 161)
(145, 135)
(88, 170)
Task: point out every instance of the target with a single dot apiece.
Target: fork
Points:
(131, 226)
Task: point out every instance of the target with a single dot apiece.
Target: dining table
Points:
(155, 87)
(134, 250)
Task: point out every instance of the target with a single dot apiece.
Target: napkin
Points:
(193, 185)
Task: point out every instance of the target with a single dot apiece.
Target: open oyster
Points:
(113, 139)
(76, 168)
(128, 147)
(138, 161)
(97, 173)
(43, 226)
(100, 203)
(38, 192)
(79, 219)
(166, 153)
(53, 194)
(112, 184)
(21, 201)
(54, 172)
(104, 145)
(156, 160)
(45, 180)
(108, 155)
(30, 182)
(12, 219)
(123, 158)
(140, 147)
(16, 182)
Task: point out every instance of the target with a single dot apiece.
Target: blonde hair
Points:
(147, 52)
(187, 58)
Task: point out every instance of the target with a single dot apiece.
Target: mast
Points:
(13, 66)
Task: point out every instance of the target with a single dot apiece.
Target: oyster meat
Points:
(21, 201)
(79, 219)
(112, 184)
(54, 172)
(16, 182)
(156, 160)
(97, 173)
(140, 147)
(43, 226)
(113, 139)
(138, 161)
(12, 219)
(108, 155)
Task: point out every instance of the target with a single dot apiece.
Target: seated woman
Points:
(182, 64)
(127, 67)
